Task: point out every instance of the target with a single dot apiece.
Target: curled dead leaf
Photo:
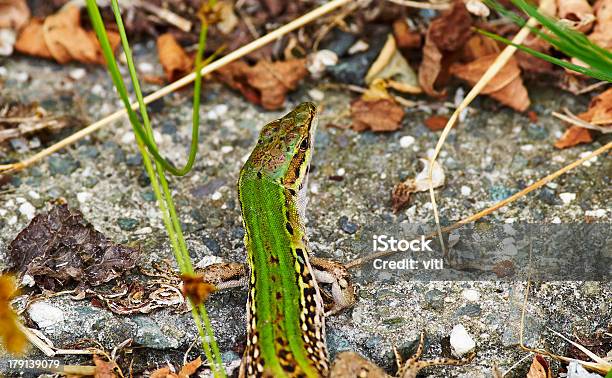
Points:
(573, 136)
(104, 369)
(196, 289)
(187, 370)
(420, 183)
(376, 115)
(445, 35)
(393, 68)
(266, 83)
(61, 37)
(13, 339)
(539, 368)
(406, 38)
(598, 114)
(506, 87)
(576, 13)
(14, 14)
(602, 33)
(173, 58)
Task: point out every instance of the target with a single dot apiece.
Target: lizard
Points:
(285, 308)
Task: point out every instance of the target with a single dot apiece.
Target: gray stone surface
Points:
(494, 152)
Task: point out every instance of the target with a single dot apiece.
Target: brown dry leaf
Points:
(576, 13)
(420, 183)
(445, 35)
(13, 339)
(436, 122)
(377, 115)
(405, 37)
(539, 368)
(104, 369)
(31, 41)
(14, 14)
(602, 33)
(599, 113)
(196, 289)
(573, 136)
(600, 110)
(173, 58)
(478, 46)
(530, 63)
(187, 370)
(61, 37)
(266, 83)
(506, 87)
(60, 247)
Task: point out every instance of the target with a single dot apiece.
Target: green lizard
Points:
(285, 309)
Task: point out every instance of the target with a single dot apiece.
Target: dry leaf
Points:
(60, 246)
(530, 63)
(573, 136)
(196, 289)
(506, 87)
(602, 33)
(392, 67)
(13, 339)
(406, 38)
(61, 37)
(600, 110)
(266, 83)
(189, 369)
(104, 369)
(477, 46)
(436, 122)
(401, 192)
(445, 35)
(377, 115)
(14, 14)
(173, 58)
(576, 13)
(539, 368)
(227, 18)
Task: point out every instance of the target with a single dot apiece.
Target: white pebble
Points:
(27, 280)
(314, 188)
(406, 141)
(461, 341)
(3, 212)
(21, 76)
(128, 137)
(466, 190)
(44, 314)
(3, 71)
(27, 209)
(145, 67)
(316, 94)
(220, 109)
(359, 46)
(208, 260)
(83, 197)
(340, 172)
(590, 161)
(556, 220)
(98, 90)
(552, 185)
(216, 196)
(527, 147)
(77, 73)
(21, 200)
(567, 197)
(471, 295)
(143, 231)
(599, 213)
(7, 41)
(227, 149)
(12, 220)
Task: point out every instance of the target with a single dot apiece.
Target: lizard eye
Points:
(304, 144)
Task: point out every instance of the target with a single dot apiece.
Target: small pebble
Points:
(527, 147)
(471, 295)
(461, 341)
(599, 213)
(341, 172)
(208, 260)
(556, 220)
(28, 210)
(7, 41)
(316, 94)
(77, 73)
(227, 149)
(406, 141)
(145, 67)
(346, 226)
(12, 220)
(127, 224)
(216, 196)
(83, 197)
(359, 46)
(466, 190)
(314, 188)
(220, 109)
(143, 231)
(552, 185)
(567, 197)
(590, 161)
(3, 71)
(44, 314)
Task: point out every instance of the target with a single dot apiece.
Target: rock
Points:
(339, 42)
(406, 141)
(472, 310)
(461, 341)
(212, 245)
(28, 210)
(150, 335)
(83, 197)
(434, 299)
(566, 198)
(499, 193)
(62, 164)
(466, 190)
(471, 295)
(346, 226)
(127, 224)
(44, 314)
(548, 196)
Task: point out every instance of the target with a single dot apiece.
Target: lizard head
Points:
(284, 148)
